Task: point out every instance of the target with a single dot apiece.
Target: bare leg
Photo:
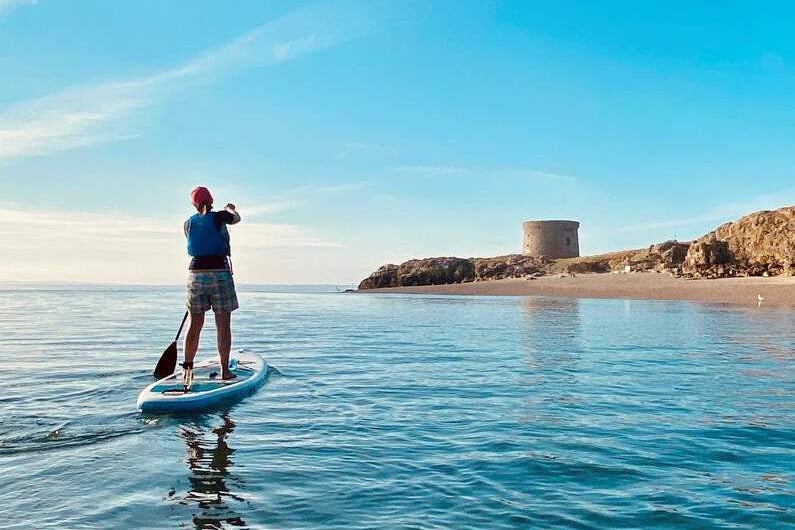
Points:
(192, 335)
(223, 326)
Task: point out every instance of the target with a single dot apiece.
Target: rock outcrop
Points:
(437, 271)
(385, 276)
(669, 255)
(431, 271)
(662, 257)
(759, 244)
(666, 256)
(510, 266)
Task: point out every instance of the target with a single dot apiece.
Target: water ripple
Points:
(403, 412)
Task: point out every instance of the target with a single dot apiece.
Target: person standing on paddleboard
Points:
(210, 283)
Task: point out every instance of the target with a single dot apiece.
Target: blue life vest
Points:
(204, 239)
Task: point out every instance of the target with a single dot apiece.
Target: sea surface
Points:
(401, 412)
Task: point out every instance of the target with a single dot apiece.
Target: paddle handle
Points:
(184, 318)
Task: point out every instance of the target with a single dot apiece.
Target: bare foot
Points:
(228, 375)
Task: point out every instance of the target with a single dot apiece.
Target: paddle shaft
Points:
(184, 318)
(168, 360)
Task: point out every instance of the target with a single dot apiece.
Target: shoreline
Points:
(777, 291)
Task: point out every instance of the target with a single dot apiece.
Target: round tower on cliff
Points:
(552, 239)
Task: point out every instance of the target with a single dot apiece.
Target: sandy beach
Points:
(776, 291)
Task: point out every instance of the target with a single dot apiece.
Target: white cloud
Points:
(87, 115)
(320, 189)
(69, 119)
(100, 247)
(529, 174)
(433, 170)
(287, 50)
(254, 210)
(295, 197)
(8, 5)
(719, 214)
(452, 170)
(262, 236)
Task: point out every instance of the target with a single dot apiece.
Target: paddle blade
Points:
(167, 363)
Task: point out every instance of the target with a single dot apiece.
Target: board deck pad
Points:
(169, 395)
(202, 381)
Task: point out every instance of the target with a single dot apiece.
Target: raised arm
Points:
(235, 216)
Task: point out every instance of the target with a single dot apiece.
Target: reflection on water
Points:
(209, 459)
(552, 343)
(552, 331)
(404, 412)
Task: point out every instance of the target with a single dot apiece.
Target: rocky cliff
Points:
(759, 244)
(431, 271)
(437, 271)
(662, 257)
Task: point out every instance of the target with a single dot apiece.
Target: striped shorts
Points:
(211, 289)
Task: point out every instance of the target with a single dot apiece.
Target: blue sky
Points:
(351, 134)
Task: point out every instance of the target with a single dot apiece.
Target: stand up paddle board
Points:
(169, 394)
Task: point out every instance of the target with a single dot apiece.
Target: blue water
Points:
(402, 412)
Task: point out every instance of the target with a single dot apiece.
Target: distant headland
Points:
(761, 244)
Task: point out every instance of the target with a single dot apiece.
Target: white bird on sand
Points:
(759, 299)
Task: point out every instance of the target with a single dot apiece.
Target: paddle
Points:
(168, 361)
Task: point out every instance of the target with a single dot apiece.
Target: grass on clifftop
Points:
(599, 262)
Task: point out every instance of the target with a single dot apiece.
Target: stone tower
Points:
(552, 239)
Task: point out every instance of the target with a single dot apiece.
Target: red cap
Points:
(201, 195)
